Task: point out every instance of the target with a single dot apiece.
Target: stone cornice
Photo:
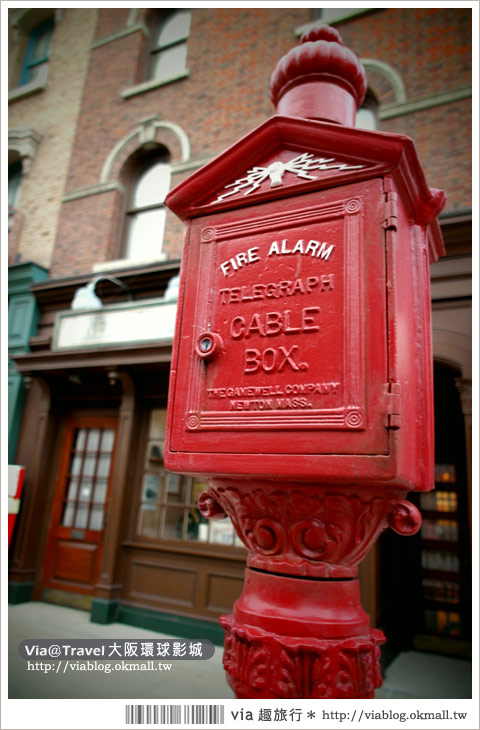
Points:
(426, 102)
(120, 34)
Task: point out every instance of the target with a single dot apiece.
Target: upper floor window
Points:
(367, 114)
(168, 50)
(38, 52)
(146, 210)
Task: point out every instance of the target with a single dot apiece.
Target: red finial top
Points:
(319, 79)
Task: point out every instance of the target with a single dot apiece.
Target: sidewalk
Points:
(412, 675)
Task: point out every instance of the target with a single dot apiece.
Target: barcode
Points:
(172, 714)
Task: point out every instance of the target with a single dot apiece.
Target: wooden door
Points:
(77, 526)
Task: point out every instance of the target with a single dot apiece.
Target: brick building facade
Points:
(129, 101)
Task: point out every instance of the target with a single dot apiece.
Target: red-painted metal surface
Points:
(16, 476)
(301, 382)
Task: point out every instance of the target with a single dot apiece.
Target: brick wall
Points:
(231, 55)
(430, 48)
(53, 114)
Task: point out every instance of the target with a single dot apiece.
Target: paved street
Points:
(412, 675)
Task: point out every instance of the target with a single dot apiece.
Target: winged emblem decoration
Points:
(301, 166)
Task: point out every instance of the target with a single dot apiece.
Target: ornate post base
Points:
(298, 630)
(295, 638)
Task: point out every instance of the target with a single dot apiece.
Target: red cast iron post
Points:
(301, 380)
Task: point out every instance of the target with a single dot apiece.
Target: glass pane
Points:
(366, 119)
(194, 519)
(81, 516)
(151, 489)
(440, 530)
(441, 590)
(446, 501)
(197, 488)
(42, 45)
(79, 441)
(155, 451)
(173, 526)
(93, 439)
(152, 185)
(175, 488)
(439, 501)
(157, 423)
(440, 560)
(106, 444)
(89, 465)
(203, 530)
(68, 514)
(100, 491)
(145, 235)
(103, 466)
(174, 28)
(445, 473)
(13, 188)
(169, 63)
(442, 622)
(37, 72)
(86, 490)
(76, 464)
(96, 519)
(221, 532)
(148, 520)
(72, 489)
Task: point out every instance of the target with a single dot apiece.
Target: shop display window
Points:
(441, 568)
(168, 502)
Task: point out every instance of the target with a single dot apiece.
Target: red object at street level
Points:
(301, 381)
(15, 484)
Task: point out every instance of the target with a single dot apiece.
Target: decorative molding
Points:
(392, 76)
(112, 37)
(27, 18)
(25, 141)
(464, 387)
(189, 165)
(427, 102)
(93, 190)
(291, 531)
(145, 131)
(119, 264)
(132, 17)
(452, 345)
(153, 84)
(260, 664)
(300, 166)
(33, 87)
(109, 186)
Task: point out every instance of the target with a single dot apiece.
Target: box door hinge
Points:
(391, 209)
(393, 393)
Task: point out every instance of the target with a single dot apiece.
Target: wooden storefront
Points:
(104, 527)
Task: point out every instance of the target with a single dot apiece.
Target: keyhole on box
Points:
(206, 344)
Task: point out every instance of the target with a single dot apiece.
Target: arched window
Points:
(367, 114)
(145, 215)
(168, 49)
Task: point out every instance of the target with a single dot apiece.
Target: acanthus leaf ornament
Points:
(301, 166)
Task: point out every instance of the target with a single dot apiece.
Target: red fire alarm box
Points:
(302, 346)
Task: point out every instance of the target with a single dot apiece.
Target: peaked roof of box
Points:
(288, 156)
